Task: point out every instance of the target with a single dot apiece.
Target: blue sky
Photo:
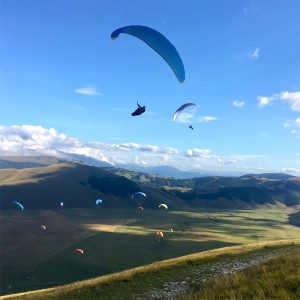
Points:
(52, 51)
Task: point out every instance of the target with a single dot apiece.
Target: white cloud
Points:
(293, 125)
(36, 140)
(197, 153)
(238, 103)
(255, 53)
(88, 90)
(291, 98)
(206, 119)
(263, 101)
(290, 170)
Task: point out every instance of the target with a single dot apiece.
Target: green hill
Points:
(21, 162)
(77, 185)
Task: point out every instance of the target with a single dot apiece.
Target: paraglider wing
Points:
(19, 204)
(138, 193)
(181, 108)
(79, 250)
(163, 205)
(99, 201)
(140, 110)
(160, 233)
(157, 42)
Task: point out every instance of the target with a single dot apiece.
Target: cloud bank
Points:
(37, 140)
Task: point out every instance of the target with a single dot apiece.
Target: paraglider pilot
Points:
(140, 110)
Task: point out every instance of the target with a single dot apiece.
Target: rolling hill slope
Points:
(77, 185)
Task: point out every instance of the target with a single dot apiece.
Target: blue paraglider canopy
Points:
(157, 42)
(99, 201)
(138, 193)
(19, 204)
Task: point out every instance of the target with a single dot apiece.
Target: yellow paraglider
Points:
(163, 205)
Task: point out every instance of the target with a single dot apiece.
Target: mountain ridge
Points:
(79, 185)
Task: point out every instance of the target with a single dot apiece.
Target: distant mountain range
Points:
(79, 185)
(20, 162)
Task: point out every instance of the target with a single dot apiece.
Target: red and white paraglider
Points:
(79, 250)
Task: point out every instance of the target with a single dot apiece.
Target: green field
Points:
(116, 240)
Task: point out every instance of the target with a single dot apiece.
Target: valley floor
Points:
(120, 239)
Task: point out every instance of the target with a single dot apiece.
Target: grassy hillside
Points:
(20, 162)
(120, 239)
(294, 218)
(77, 185)
(278, 278)
(225, 192)
(176, 277)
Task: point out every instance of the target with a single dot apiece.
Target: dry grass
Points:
(278, 278)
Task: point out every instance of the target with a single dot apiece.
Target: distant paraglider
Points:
(99, 201)
(79, 250)
(43, 227)
(140, 110)
(138, 193)
(191, 127)
(181, 108)
(157, 42)
(160, 234)
(19, 204)
(163, 205)
(213, 219)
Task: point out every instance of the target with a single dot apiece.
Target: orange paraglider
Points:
(160, 233)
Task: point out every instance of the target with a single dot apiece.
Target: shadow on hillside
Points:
(104, 253)
(134, 245)
(294, 219)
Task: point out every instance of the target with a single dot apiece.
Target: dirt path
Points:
(198, 275)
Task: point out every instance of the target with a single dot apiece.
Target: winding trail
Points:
(200, 274)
